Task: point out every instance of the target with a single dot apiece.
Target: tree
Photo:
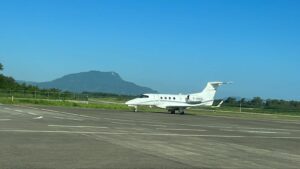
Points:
(1, 67)
(257, 102)
(231, 101)
(243, 101)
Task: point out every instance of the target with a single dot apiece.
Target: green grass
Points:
(64, 103)
(253, 114)
(223, 111)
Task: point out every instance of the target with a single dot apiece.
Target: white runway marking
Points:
(149, 134)
(77, 126)
(59, 112)
(263, 132)
(20, 111)
(66, 118)
(250, 128)
(52, 110)
(258, 131)
(128, 128)
(181, 129)
(117, 119)
(40, 117)
(73, 114)
(5, 119)
(154, 125)
(27, 107)
(124, 123)
(34, 114)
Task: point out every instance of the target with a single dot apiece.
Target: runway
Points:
(55, 137)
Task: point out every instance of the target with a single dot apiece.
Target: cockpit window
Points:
(144, 96)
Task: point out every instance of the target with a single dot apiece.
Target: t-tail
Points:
(207, 95)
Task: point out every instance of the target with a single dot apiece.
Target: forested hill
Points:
(95, 81)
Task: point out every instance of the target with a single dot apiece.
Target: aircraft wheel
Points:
(135, 109)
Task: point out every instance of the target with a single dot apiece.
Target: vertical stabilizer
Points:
(208, 93)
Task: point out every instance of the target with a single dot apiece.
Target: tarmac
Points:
(44, 137)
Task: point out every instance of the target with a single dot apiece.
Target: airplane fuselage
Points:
(165, 101)
(179, 102)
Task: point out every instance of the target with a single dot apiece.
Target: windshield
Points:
(144, 96)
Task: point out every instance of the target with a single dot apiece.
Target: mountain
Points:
(94, 81)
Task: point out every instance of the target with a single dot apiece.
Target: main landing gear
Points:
(181, 111)
(172, 111)
(135, 108)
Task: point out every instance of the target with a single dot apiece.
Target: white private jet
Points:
(178, 102)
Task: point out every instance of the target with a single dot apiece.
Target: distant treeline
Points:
(9, 86)
(258, 102)
(9, 83)
(106, 95)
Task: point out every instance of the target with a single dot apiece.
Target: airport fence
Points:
(42, 94)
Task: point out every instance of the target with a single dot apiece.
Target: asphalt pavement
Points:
(47, 137)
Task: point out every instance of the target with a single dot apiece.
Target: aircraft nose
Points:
(129, 102)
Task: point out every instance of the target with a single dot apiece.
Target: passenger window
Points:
(169, 98)
(174, 98)
(165, 97)
(161, 97)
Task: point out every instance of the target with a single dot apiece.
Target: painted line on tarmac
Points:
(171, 129)
(232, 127)
(105, 118)
(34, 114)
(124, 123)
(66, 118)
(60, 112)
(22, 106)
(154, 125)
(20, 111)
(258, 131)
(11, 111)
(73, 114)
(67, 126)
(148, 134)
(264, 132)
(255, 128)
(5, 119)
(40, 117)
(129, 128)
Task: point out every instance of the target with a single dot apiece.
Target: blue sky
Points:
(171, 46)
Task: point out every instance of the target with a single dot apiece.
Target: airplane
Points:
(178, 102)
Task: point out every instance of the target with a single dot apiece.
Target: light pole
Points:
(240, 106)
